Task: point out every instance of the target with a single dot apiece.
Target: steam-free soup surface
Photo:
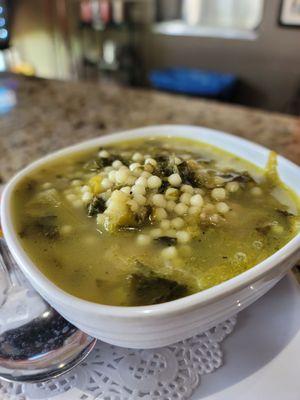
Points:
(148, 221)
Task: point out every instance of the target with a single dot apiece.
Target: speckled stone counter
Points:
(52, 114)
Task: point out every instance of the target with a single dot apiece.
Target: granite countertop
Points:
(52, 114)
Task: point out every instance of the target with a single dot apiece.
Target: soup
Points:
(151, 220)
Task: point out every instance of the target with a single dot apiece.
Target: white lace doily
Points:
(115, 373)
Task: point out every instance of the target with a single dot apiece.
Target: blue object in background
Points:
(194, 82)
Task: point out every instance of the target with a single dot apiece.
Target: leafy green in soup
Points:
(149, 221)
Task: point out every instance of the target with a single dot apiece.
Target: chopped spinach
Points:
(96, 206)
(45, 226)
(164, 186)
(243, 177)
(163, 168)
(143, 217)
(187, 175)
(166, 240)
(154, 289)
(285, 213)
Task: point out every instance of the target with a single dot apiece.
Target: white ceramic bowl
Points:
(162, 324)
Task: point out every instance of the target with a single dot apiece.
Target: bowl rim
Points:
(180, 305)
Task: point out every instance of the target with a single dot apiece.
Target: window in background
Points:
(214, 18)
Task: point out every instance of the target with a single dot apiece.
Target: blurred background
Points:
(240, 51)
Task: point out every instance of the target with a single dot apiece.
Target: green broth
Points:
(108, 263)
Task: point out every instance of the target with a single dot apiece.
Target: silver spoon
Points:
(36, 343)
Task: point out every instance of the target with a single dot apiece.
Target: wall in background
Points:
(268, 67)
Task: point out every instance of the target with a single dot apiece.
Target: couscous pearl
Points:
(177, 161)
(187, 189)
(172, 194)
(222, 207)
(194, 210)
(148, 168)
(122, 176)
(137, 157)
(170, 205)
(218, 194)
(177, 223)
(183, 236)
(159, 200)
(185, 198)
(106, 183)
(112, 176)
(76, 182)
(138, 189)
(140, 199)
(46, 185)
(197, 200)
(160, 214)
(143, 240)
(117, 164)
(103, 154)
(86, 197)
(126, 189)
(165, 224)
(219, 180)
(133, 166)
(145, 174)
(256, 191)
(141, 181)
(155, 233)
(174, 180)
(124, 168)
(130, 180)
(108, 169)
(214, 218)
(232, 187)
(169, 253)
(66, 229)
(181, 209)
(137, 172)
(151, 161)
(154, 182)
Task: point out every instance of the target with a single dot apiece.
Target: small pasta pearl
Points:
(197, 200)
(160, 214)
(103, 154)
(106, 183)
(143, 240)
(177, 161)
(172, 194)
(218, 194)
(133, 166)
(137, 157)
(177, 223)
(181, 209)
(130, 180)
(85, 188)
(187, 189)
(122, 176)
(126, 189)
(183, 236)
(141, 181)
(232, 187)
(159, 200)
(145, 174)
(174, 180)
(170, 205)
(151, 161)
(138, 189)
(185, 198)
(86, 197)
(133, 205)
(117, 164)
(222, 207)
(112, 176)
(140, 199)
(154, 182)
(169, 253)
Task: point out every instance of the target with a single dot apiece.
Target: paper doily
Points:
(115, 373)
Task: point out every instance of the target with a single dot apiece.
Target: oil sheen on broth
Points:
(149, 221)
